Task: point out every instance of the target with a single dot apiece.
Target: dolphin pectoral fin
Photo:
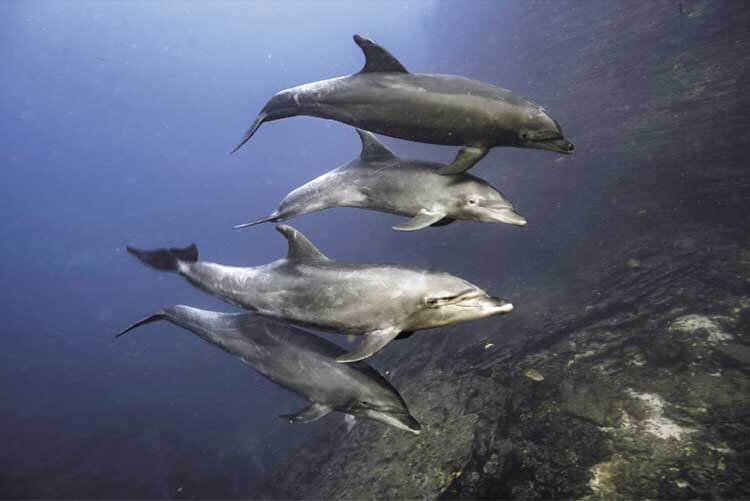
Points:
(405, 335)
(377, 59)
(466, 158)
(444, 222)
(374, 342)
(308, 414)
(423, 219)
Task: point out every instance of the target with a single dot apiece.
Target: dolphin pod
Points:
(377, 301)
(380, 302)
(298, 361)
(379, 180)
(384, 97)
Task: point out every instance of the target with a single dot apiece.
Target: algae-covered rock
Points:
(645, 394)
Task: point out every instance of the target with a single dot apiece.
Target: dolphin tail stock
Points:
(284, 104)
(166, 259)
(153, 318)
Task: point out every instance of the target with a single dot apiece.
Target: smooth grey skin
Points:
(379, 301)
(439, 109)
(298, 361)
(379, 180)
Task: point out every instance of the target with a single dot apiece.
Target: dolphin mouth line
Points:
(558, 144)
(506, 214)
(400, 420)
(467, 297)
(480, 300)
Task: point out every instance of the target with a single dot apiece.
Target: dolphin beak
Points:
(504, 214)
(412, 425)
(560, 145)
(510, 216)
(489, 305)
(401, 421)
(500, 306)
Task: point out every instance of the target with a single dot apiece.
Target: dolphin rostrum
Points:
(385, 98)
(379, 180)
(379, 301)
(298, 361)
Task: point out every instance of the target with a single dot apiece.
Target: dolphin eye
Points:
(472, 202)
(524, 135)
(432, 301)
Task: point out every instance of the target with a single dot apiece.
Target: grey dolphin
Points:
(379, 180)
(379, 301)
(440, 109)
(298, 361)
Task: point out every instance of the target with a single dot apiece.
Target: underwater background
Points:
(631, 282)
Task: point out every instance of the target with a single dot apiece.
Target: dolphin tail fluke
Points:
(153, 318)
(166, 259)
(258, 121)
(267, 219)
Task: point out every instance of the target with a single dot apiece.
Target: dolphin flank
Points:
(383, 97)
(378, 301)
(379, 180)
(298, 361)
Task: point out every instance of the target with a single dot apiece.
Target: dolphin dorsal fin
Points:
(372, 149)
(299, 246)
(377, 59)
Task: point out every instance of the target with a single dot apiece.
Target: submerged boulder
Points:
(645, 392)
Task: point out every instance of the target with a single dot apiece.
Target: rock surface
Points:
(645, 391)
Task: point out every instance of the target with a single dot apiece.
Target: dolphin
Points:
(379, 180)
(378, 301)
(383, 97)
(298, 361)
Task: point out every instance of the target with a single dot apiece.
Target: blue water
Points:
(118, 122)
(118, 119)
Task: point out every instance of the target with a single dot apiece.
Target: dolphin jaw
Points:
(493, 306)
(483, 304)
(401, 421)
(558, 145)
(502, 213)
(505, 308)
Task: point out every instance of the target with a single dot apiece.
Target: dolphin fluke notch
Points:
(372, 149)
(377, 59)
(153, 318)
(299, 246)
(166, 259)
